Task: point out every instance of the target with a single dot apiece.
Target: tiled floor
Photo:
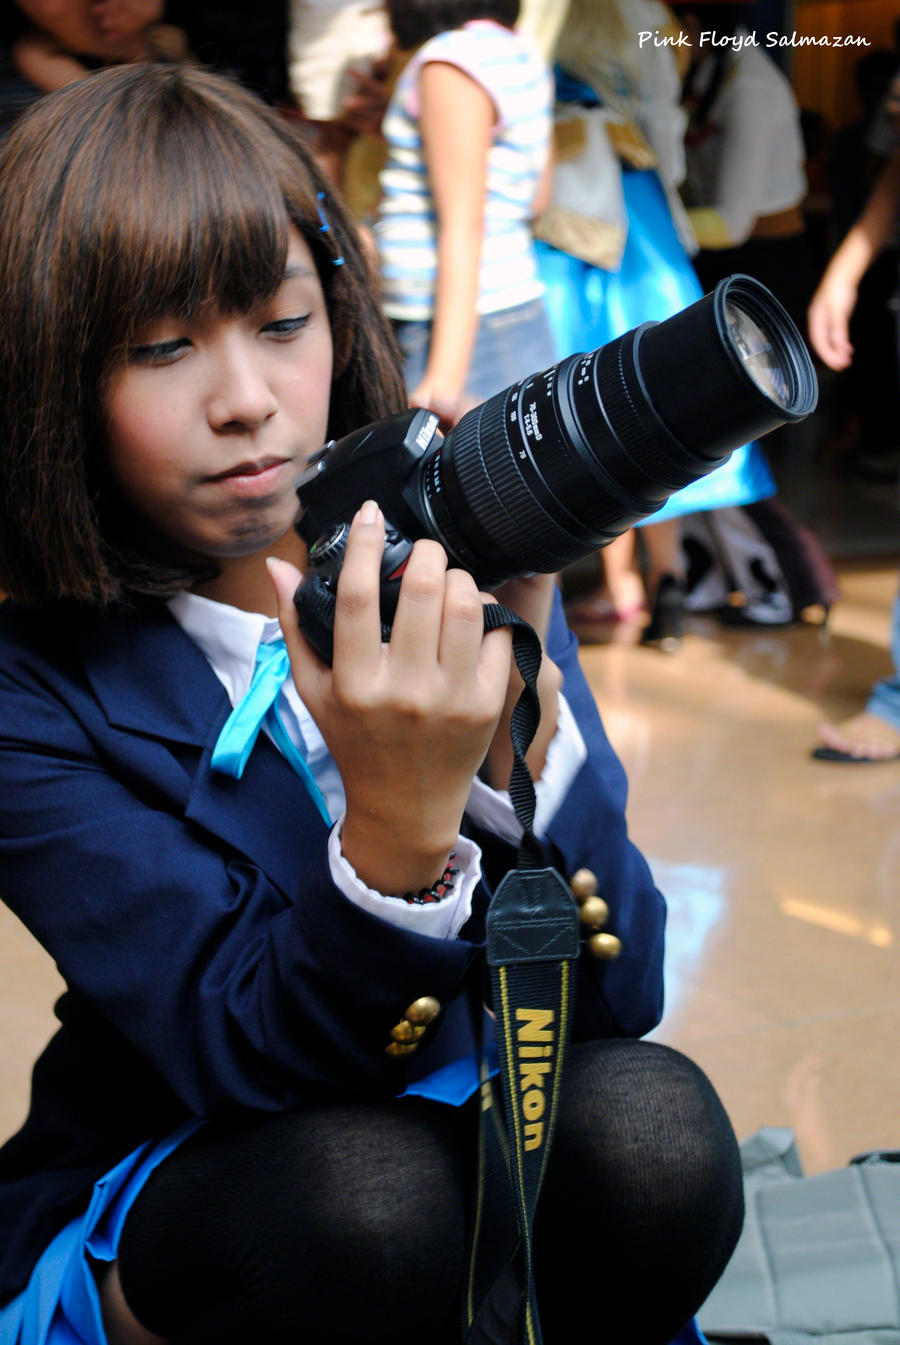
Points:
(783, 874)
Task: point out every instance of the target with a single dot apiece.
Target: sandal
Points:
(862, 740)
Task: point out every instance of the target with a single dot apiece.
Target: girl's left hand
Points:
(445, 400)
(532, 599)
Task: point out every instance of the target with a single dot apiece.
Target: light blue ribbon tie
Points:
(259, 706)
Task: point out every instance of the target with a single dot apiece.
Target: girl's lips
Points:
(253, 478)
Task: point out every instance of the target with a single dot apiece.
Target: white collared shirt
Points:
(229, 638)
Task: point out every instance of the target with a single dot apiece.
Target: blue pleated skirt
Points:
(588, 307)
(61, 1305)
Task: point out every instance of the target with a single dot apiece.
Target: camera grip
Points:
(316, 597)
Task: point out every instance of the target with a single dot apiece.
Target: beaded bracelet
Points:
(429, 896)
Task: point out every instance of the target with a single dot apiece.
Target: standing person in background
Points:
(338, 63)
(873, 735)
(745, 186)
(867, 398)
(468, 137)
(745, 181)
(613, 253)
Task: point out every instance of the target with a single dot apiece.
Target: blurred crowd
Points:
(535, 179)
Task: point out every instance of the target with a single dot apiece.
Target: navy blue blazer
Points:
(212, 965)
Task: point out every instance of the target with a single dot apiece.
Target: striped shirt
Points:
(509, 68)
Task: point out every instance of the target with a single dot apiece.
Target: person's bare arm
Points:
(835, 298)
(456, 120)
(545, 184)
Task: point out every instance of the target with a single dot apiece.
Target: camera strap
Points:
(532, 941)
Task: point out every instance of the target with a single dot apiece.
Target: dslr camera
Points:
(549, 470)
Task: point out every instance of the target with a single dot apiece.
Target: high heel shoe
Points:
(666, 625)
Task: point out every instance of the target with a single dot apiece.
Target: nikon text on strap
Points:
(532, 941)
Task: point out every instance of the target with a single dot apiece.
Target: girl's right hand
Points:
(408, 723)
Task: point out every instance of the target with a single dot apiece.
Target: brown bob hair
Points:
(140, 192)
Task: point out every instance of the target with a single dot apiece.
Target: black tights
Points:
(346, 1223)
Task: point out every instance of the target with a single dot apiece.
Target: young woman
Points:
(467, 132)
(225, 1142)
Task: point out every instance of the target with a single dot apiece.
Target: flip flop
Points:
(849, 758)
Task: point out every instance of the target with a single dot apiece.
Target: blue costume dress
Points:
(589, 306)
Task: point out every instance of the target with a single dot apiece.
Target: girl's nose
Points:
(241, 397)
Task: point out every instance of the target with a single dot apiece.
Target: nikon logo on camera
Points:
(536, 1044)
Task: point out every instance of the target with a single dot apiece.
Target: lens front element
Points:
(757, 354)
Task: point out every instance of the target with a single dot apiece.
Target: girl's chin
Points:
(249, 543)
(255, 531)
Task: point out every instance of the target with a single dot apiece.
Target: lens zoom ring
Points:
(500, 497)
(651, 465)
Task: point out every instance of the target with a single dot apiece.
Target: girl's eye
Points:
(159, 352)
(287, 326)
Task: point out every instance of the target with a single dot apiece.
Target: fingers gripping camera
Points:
(316, 597)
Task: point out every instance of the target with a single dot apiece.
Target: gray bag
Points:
(818, 1262)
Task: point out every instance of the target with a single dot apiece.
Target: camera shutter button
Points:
(326, 550)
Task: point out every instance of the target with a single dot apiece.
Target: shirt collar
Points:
(228, 636)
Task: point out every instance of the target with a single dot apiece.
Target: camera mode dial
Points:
(316, 597)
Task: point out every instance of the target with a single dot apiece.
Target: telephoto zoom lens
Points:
(558, 465)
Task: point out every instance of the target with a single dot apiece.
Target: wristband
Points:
(429, 896)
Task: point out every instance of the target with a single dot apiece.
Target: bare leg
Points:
(623, 580)
(663, 542)
(622, 594)
(665, 585)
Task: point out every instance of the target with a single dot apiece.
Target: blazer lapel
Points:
(149, 677)
(152, 681)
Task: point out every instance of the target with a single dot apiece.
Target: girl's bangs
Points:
(203, 220)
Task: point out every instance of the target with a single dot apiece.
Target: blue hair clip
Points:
(323, 227)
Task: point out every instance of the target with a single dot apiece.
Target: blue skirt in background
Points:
(588, 306)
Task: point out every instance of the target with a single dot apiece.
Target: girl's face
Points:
(210, 420)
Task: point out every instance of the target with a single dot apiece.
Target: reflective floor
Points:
(782, 873)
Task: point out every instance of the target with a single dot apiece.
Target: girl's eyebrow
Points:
(297, 269)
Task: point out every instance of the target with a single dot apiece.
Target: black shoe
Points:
(666, 625)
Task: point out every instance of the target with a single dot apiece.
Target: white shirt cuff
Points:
(493, 809)
(439, 920)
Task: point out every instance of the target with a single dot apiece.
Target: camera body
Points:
(552, 468)
(376, 462)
